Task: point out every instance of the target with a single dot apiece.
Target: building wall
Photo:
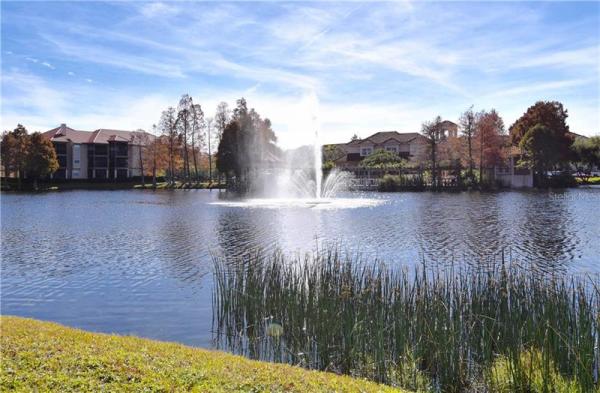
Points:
(134, 160)
(512, 177)
(79, 170)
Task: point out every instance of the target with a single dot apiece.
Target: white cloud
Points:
(32, 59)
(380, 66)
(89, 80)
(46, 64)
(158, 9)
(113, 57)
(71, 73)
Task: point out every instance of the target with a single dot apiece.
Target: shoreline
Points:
(46, 356)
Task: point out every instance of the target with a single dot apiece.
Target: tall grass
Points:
(444, 329)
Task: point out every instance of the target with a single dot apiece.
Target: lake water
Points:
(140, 262)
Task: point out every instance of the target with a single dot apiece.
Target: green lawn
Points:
(590, 180)
(44, 356)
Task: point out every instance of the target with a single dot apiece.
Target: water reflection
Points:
(125, 253)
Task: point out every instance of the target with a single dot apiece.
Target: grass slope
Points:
(44, 356)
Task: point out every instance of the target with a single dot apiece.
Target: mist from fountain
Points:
(298, 181)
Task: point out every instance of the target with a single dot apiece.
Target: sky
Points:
(355, 68)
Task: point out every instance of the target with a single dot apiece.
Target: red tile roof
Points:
(384, 136)
(101, 136)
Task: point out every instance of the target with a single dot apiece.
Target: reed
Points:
(450, 329)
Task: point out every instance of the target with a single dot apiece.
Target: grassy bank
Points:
(44, 356)
(496, 329)
(594, 180)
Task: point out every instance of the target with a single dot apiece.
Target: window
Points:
(121, 162)
(100, 162)
(121, 149)
(365, 151)
(76, 155)
(62, 161)
(75, 174)
(61, 148)
(393, 149)
(101, 149)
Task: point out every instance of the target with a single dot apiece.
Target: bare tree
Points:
(168, 126)
(467, 127)
(156, 157)
(184, 119)
(140, 138)
(209, 129)
(198, 126)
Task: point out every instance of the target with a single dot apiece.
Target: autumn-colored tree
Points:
(550, 114)
(198, 127)
(168, 128)
(156, 158)
(15, 152)
(184, 125)
(141, 139)
(41, 158)
(490, 140)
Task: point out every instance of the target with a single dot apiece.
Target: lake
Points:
(140, 262)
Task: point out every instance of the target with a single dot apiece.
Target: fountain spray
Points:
(318, 158)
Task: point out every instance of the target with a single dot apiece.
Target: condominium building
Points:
(99, 154)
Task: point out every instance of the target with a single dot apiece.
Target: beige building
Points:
(409, 145)
(99, 154)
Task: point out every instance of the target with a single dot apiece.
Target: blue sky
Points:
(373, 66)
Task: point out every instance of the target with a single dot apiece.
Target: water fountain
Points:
(303, 185)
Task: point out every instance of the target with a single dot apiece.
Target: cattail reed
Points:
(452, 329)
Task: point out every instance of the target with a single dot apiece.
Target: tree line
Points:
(186, 142)
(27, 155)
(540, 140)
(183, 148)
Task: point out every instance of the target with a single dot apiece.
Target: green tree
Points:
(587, 153)
(433, 131)
(541, 148)
(14, 152)
(550, 114)
(228, 151)
(41, 159)
(382, 159)
(247, 145)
